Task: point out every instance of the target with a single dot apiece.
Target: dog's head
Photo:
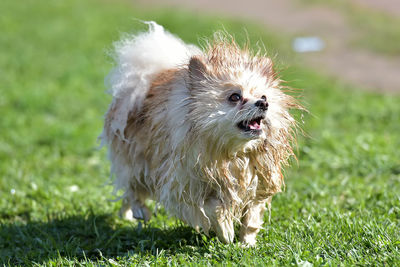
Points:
(237, 98)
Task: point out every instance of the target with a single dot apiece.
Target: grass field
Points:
(341, 205)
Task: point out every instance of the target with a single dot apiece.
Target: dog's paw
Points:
(226, 236)
(141, 213)
(225, 230)
(126, 214)
(248, 240)
(133, 211)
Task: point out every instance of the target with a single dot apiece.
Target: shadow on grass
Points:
(92, 237)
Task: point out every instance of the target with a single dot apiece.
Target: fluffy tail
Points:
(138, 58)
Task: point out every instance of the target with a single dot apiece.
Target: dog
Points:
(205, 132)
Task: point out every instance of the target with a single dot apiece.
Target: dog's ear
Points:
(197, 69)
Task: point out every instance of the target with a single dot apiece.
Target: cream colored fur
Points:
(173, 136)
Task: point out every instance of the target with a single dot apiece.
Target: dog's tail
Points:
(138, 59)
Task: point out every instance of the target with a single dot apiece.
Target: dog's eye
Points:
(235, 97)
(264, 98)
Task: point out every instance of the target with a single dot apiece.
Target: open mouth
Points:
(252, 126)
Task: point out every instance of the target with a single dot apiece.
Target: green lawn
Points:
(342, 200)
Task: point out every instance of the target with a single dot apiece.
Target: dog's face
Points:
(245, 109)
(234, 105)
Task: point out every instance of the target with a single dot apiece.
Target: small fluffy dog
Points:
(205, 133)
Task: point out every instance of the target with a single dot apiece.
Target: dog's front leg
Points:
(252, 222)
(220, 219)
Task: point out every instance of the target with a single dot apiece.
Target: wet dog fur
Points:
(204, 132)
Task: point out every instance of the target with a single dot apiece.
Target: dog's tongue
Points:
(253, 125)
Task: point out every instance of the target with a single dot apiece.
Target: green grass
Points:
(341, 205)
(373, 30)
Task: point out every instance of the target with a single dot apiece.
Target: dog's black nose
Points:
(262, 104)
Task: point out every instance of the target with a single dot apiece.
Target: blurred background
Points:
(356, 40)
(341, 203)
